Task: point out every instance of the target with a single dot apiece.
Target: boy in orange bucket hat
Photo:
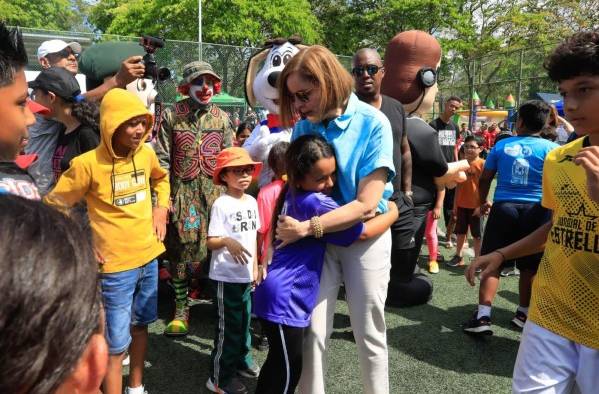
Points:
(234, 224)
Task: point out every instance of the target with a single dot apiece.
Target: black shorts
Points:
(510, 222)
(402, 231)
(466, 219)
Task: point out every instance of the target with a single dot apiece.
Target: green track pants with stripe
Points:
(232, 342)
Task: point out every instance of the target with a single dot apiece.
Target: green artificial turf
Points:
(428, 353)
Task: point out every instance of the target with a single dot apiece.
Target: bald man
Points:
(368, 72)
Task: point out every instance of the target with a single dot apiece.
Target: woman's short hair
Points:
(319, 66)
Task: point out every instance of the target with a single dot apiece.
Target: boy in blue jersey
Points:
(516, 210)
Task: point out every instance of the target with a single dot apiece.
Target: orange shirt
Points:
(467, 192)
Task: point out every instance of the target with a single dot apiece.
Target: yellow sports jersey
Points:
(565, 295)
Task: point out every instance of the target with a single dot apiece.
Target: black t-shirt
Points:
(448, 134)
(394, 111)
(428, 161)
(71, 145)
(14, 180)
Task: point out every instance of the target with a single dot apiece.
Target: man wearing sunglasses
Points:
(368, 72)
(57, 53)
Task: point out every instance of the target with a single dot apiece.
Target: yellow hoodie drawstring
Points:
(112, 182)
(134, 168)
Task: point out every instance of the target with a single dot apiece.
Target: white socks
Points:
(135, 390)
(483, 310)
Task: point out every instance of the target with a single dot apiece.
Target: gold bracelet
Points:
(316, 227)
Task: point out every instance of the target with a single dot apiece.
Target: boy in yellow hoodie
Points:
(115, 179)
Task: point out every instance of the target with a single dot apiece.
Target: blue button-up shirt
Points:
(363, 142)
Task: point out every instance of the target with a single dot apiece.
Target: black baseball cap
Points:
(58, 81)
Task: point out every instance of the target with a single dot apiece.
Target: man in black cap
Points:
(192, 134)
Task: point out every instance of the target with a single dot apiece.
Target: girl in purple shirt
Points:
(286, 297)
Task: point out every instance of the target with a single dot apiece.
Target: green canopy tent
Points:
(236, 107)
(227, 100)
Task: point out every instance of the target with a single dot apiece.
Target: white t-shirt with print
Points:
(237, 219)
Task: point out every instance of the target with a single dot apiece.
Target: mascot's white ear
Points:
(250, 75)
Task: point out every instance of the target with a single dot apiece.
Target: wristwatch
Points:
(409, 194)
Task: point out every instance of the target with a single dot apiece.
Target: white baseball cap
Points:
(53, 46)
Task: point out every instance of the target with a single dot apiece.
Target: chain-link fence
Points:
(228, 61)
(496, 76)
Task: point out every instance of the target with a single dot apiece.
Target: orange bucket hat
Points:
(234, 157)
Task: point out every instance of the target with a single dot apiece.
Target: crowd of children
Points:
(323, 220)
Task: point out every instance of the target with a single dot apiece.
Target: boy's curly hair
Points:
(577, 55)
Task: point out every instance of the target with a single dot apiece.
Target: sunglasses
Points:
(239, 171)
(64, 54)
(302, 95)
(371, 69)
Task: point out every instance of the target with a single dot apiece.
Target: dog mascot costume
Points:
(411, 62)
(192, 134)
(261, 89)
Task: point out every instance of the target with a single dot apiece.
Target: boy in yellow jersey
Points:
(116, 180)
(560, 342)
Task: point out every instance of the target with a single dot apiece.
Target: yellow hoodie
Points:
(117, 189)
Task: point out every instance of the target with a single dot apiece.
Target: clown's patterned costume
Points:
(191, 136)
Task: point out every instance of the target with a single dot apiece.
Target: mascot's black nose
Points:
(272, 78)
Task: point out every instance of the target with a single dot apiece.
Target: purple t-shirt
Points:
(288, 294)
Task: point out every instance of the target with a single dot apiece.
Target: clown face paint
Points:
(202, 89)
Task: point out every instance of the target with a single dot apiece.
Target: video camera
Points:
(150, 45)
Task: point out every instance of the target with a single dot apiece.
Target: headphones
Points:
(427, 77)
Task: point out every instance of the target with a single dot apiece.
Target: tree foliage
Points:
(46, 14)
(233, 22)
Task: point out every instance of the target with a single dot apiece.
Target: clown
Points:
(411, 62)
(191, 135)
(261, 88)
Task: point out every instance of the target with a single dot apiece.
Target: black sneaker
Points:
(234, 387)
(477, 327)
(519, 319)
(252, 371)
(456, 261)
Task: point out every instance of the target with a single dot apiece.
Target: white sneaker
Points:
(136, 390)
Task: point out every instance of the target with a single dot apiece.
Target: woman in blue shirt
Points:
(315, 86)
